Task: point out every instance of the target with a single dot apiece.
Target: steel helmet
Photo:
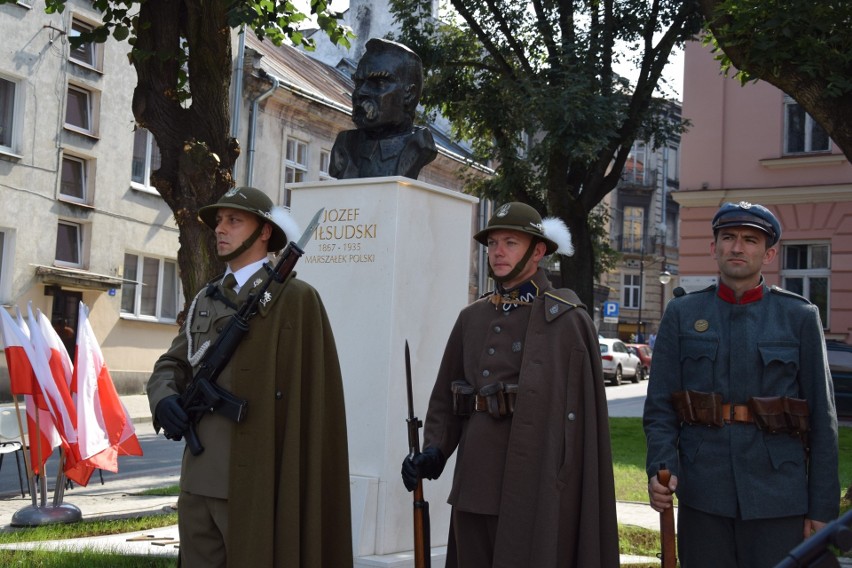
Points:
(254, 201)
(516, 216)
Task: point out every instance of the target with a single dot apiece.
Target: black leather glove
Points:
(428, 464)
(172, 417)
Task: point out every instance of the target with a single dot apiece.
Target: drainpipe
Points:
(237, 101)
(253, 122)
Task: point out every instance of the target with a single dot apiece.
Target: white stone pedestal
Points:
(391, 260)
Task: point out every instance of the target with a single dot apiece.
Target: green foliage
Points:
(532, 86)
(814, 38)
(51, 559)
(274, 20)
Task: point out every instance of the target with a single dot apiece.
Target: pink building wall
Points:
(734, 152)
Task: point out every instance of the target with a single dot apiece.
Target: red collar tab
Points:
(727, 294)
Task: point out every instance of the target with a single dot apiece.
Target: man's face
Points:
(233, 227)
(741, 254)
(506, 248)
(380, 95)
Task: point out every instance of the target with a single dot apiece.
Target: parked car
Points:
(644, 352)
(840, 365)
(618, 362)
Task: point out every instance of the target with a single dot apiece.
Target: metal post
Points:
(639, 338)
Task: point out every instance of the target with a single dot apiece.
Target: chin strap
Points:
(243, 247)
(518, 267)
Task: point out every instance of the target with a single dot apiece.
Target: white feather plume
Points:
(281, 216)
(557, 231)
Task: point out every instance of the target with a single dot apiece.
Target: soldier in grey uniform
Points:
(520, 397)
(740, 408)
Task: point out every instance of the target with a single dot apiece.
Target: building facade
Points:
(643, 229)
(754, 143)
(80, 221)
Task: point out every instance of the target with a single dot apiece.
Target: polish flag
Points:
(19, 350)
(50, 373)
(105, 430)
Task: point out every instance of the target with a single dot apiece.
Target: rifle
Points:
(814, 552)
(668, 556)
(422, 545)
(203, 395)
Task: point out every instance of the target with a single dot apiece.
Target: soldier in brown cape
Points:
(520, 395)
(272, 490)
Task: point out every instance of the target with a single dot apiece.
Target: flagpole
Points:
(27, 464)
(60, 483)
(42, 484)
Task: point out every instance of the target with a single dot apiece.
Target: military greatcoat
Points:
(768, 344)
(285, 468)
(547, 470)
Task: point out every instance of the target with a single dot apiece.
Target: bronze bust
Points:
(388, 82)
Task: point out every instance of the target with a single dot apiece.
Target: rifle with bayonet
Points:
(203, 395)
(422, 537)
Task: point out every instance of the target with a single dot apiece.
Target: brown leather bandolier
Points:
(773, 414)
(497, 399)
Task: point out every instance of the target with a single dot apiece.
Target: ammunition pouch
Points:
(694, 407)
(780, 414)
(463, 398)
(773, 414)
(497, 399)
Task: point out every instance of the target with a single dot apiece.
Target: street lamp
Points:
(665, 277)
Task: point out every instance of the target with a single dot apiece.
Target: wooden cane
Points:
(668, 557)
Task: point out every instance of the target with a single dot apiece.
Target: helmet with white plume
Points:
(284, 227)
(521, 217)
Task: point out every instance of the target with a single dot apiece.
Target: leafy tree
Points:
(802, 47)
(533, 85)
(181, 50)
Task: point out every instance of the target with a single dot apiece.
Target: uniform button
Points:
(572, 416)
(278, 395)
(497, 329)
(491, 351)
(486, 373)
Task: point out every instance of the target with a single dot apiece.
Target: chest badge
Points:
(701, 326)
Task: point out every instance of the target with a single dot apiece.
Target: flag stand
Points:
(59, 512)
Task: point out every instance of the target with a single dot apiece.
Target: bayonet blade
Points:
(306, 236)
(408, 381)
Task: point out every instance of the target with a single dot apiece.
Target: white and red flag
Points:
(19, 352)
(52, 367)
(105, 430)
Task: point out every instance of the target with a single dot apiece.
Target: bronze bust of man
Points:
(388, 82)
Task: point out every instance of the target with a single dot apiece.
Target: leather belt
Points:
(737, 413)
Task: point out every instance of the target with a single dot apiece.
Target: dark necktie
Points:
(228, 285)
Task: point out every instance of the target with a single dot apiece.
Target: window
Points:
(89, 53)
(325, 161)
(801, 132)
(81, 110)
(630, 291)
(634, 169)
(672, 164)
(296, 161)
(69, 244)
(806, 271)
(154, 292)
(633, 224)
(146, 159)
(3, 261)
(10, 109)
(74, 179)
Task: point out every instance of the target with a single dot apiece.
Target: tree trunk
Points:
(193, 137)
(578, 271)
